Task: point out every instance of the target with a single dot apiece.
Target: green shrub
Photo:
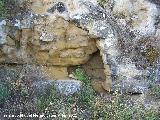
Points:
(44, 99)
(2, 8)
(81, 75)
(87, 94)
(102, 2)
(5, 91)
(155, 91)
(119, 109)
(7, 7)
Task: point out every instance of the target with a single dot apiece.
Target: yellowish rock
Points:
(97, 86)
(72, 29)
(41, 57)
(10, 41)
(59, 23)
(2, 56)
(77, 53)
(67, 61)
(55, 73)
(38, 7)
(107, 84)
(57, 32)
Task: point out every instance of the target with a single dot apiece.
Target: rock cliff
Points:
(67, 32)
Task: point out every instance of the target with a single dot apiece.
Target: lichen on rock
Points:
(68, 32)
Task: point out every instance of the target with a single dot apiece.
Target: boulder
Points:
(63, 87)
(68, 87)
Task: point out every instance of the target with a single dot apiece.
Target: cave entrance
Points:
(94, 68)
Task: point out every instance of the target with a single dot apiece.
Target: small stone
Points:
(55, 72)
(68, 87)
(60, 7)
(51, 10)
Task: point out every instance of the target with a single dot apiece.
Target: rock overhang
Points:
(98, 24)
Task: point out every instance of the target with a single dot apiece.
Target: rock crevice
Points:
(68, 32)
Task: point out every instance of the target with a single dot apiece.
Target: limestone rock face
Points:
(45, 36)
(62, 43)
(141, 14)
(57, 42)
(119, 29)
(67, 32)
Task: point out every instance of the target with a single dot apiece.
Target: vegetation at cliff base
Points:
(2, 8)
(17, 96)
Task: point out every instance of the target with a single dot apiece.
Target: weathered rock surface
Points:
(58, 43)
(68, 86)
(117, 45)
(64, 87)
(39, 80)
(18, 72)
(67, 32)
(95, 67)
(141, 13)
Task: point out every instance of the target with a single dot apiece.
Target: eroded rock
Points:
(64, 87)
(67, 32)
(68, 87)
(58, 43)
